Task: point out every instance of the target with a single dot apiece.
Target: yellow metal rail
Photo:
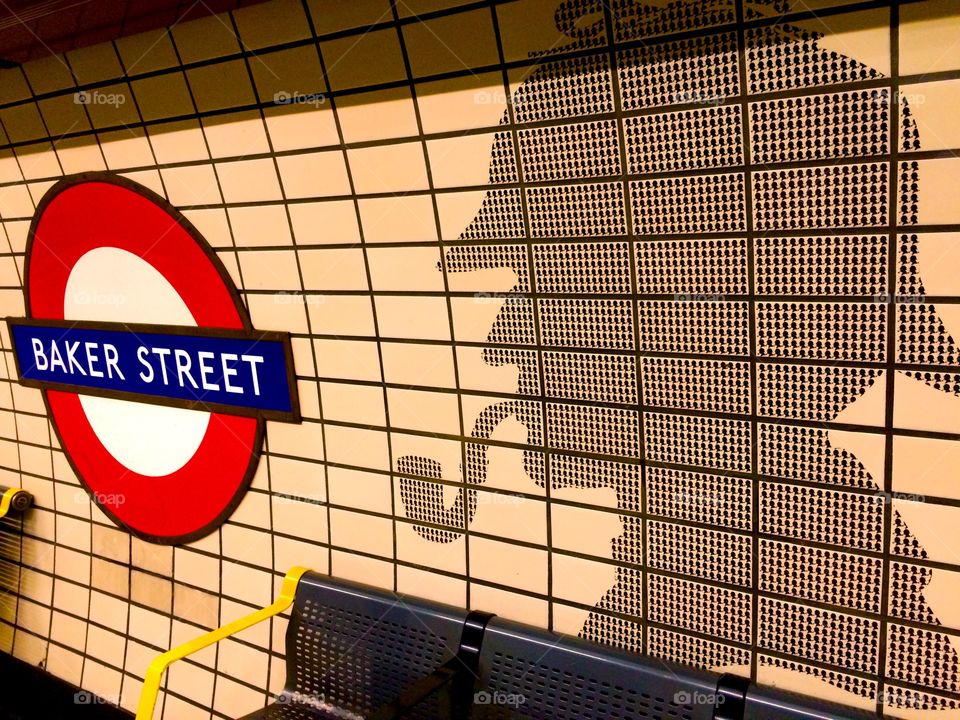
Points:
(151, 683)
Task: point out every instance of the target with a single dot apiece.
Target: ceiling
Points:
(31, 30)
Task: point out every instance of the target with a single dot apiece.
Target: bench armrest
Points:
(151, 683)
(16, 498)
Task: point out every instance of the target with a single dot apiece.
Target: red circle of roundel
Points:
(89, 212)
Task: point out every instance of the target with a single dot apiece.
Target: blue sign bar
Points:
(227, 371)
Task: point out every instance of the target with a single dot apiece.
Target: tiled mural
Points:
(634, 321)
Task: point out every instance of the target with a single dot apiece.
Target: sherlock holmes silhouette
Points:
(693, 315)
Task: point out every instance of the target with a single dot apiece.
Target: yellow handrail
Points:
(7, 500)
(151, 683)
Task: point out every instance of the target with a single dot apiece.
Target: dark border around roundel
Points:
(70, 181)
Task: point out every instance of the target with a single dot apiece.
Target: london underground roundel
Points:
(157, 383)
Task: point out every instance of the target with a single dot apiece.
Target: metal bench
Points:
(360, 652)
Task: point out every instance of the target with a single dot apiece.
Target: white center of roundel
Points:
(113, 285)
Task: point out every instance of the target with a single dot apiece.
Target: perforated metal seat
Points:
(534, 674)
(352, 649)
